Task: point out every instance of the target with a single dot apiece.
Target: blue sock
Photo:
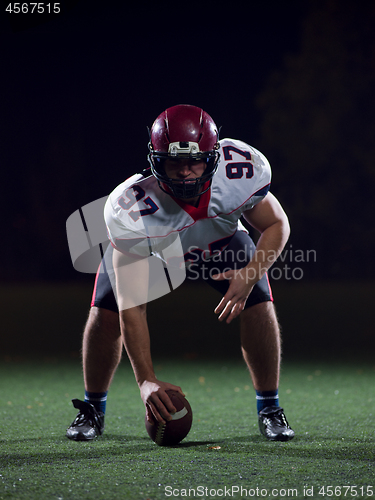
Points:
(97, 399)
(267, 398)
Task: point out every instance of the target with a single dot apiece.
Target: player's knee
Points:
(263, 311)
(104, 320)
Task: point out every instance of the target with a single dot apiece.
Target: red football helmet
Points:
(184, 131)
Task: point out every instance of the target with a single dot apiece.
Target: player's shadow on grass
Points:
(113, 445)
(147, 440)
(36, 453)
(350, 449)
(104, 448)
(303, 446)
(194, 444)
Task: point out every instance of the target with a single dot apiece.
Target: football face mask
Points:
(184, 133)
(184, 154)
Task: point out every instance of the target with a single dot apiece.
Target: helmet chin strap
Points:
(183, 189)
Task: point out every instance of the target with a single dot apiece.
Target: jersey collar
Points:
(201, 211)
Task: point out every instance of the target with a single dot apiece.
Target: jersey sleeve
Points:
(127, 235)
(244, 176)
(131, 233)
(262, 178)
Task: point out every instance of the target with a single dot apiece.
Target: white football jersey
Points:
(138, 211)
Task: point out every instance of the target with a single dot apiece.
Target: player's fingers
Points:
(218, 277)
(152, 408)
(223, 303)
(149, 415)
(226, 310)
(178, 389)
(167, 403)
(161, 406)
(232, 309)
(236, 311)
(220, 306)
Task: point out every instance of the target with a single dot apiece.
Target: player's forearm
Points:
(270, 245)
(136, 340)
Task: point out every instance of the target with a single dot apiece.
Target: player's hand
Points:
(233, 302)
(157, 401)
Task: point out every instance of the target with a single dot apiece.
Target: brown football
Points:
(176, 429)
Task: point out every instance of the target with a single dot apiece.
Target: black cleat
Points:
(88, 424)
(273, 424)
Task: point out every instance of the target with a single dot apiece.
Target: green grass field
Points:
(331, 408)
(327, 390)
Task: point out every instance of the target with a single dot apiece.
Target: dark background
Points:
(295, 79)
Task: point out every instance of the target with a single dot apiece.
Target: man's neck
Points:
(192, 201)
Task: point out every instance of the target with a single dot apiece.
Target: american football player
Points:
(191, 199)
